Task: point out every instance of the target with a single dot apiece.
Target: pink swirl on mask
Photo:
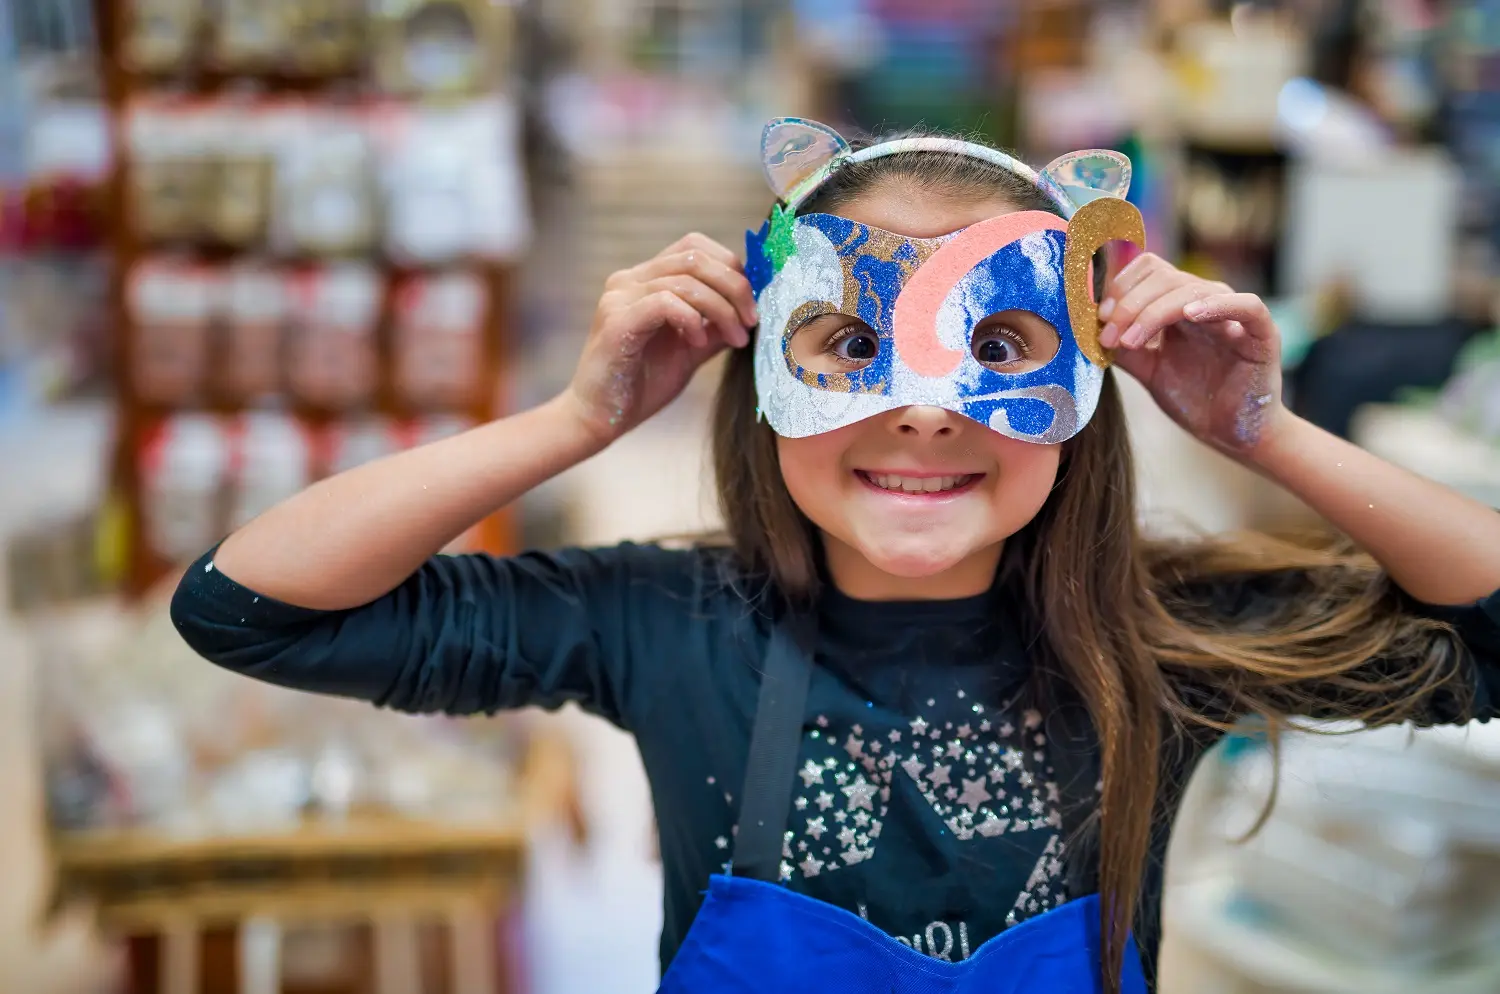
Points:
(914, 322)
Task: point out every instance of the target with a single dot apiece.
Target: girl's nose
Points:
(924, 422)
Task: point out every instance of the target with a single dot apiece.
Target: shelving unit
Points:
(140, 416)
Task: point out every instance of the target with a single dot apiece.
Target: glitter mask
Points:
(924, 297)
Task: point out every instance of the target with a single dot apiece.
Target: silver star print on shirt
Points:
(974, 794)
(860, 793)
(849, 780)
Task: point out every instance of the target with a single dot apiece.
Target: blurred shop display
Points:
(1470, 116)
(140, 735)
(1377, 870)
(1470, 400)
(225, 826)
(54, 341)
(408, 47)
(319, 210)
(1383, 229)
(1451, 433)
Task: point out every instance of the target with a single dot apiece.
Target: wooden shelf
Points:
(103, 850)
(122, 86)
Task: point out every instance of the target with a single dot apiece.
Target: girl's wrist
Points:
(575, 427)
(1282, 437)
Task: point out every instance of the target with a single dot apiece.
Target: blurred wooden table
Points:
(190, 906)
(429, 901)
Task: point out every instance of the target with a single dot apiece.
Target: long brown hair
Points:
(1123, 617)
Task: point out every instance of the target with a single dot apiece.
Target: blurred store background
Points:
(244, 243)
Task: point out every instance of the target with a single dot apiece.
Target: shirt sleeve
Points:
(1466, 687)
(462, 635)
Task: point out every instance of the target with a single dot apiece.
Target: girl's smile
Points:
(918, 485)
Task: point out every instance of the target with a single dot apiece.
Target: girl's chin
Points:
(913, 564)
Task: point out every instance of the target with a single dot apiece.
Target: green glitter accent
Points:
(780, 245)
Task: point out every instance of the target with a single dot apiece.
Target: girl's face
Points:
(916, 503)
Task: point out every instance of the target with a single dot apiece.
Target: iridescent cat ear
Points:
(794, 150)
(1090, 174)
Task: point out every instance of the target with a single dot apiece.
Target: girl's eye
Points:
(854, 344)
(1000, 347)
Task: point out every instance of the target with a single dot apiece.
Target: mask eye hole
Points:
(1014, 342)
(835, 343)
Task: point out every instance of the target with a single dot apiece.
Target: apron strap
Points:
(774, 745)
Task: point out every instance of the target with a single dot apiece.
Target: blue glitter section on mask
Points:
(879, 281)
(758, 268)
(1012, 279)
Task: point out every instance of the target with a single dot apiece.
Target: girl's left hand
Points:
(1210, 357)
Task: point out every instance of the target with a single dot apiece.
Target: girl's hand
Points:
(656, 323)
(1210, 357)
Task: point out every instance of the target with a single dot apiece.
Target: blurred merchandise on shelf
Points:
(443, 201)
(248, 334)
(332, 358)
(321, 206)
(1359, 881)
(439, 46)
(439, 325)
(54, 334)
(296, 38)
(1230, 206)
(1470, 121)
(139, 734)
(55, 562)
(169, 302)
(1230, 74)
(1471, 399)
(297, 178)
(894, 64)
(1382, 229)
(1362, 362)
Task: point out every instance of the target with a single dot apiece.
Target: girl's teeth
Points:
(918, 485)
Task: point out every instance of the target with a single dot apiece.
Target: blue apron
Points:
(753, 935)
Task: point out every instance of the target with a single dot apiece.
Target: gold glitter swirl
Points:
(1097, 222)
(832, 382)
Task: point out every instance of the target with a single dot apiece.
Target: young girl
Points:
(924, 723)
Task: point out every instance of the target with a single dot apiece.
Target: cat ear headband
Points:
(918, 302)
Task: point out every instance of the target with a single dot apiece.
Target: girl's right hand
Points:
(656, 323)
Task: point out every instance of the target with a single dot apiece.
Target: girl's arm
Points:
(1212, 360)
(350, 538)
(353, 537)
(1438, 545)
(338, 590)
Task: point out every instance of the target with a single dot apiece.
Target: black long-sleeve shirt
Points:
(926, 798)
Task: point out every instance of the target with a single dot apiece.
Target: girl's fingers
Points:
(1167, 309)
(1123, 312)
(706, 301)
(728, 282)
(697, 242)
(1136, 270)
(1245, 308)
(640, 321)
